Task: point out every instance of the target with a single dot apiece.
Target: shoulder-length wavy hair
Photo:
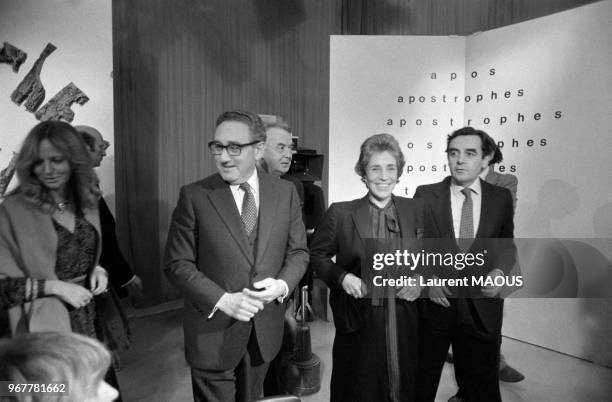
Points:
(42, 357)
(379, 143)
(83, 183)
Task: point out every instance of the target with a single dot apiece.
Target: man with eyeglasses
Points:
(236, 248)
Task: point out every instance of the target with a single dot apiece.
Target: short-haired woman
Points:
(375, 348)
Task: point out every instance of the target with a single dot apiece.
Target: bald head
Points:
(96, 144)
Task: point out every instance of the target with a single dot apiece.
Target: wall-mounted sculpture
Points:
(7, 174)
(12, 55)
(31, 87)
(59, 106)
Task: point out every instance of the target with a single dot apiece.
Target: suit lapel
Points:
(268, 205)
(442, 212)
(222, 200)
(361, 218)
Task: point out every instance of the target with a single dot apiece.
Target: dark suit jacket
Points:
(207, 255)
(505, 180)
(341, 233)
(496, 221)
(111, 259)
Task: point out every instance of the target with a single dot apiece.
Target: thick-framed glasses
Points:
(216, 148)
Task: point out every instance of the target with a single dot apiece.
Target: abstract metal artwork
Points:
(7, 174)
(31, 88)
(12, 55)
(59, 106)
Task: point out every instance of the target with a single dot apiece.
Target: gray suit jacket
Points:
(207, 254)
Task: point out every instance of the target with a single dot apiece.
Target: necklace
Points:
(61, 206)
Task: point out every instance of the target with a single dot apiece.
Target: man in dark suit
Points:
(470, 212)
(279, 150)
(507, 373)
(236, 248)
(121, 275)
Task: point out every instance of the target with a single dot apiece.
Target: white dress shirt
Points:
(239, 193)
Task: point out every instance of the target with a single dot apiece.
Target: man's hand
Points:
(75, 295)
(410, 293)
(239, 305)
(492, 290)
(354, 286)
(134, 287)
(437, 294)
(271, 289)
(98, 281)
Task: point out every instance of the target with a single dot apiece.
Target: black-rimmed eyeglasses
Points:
(216, 148)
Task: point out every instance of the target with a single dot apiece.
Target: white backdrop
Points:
(542, 87)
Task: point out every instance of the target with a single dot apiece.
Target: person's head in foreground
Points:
(44, 357)
(380, 165)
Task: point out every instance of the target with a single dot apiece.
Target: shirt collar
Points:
(475, 186)
(253, 181)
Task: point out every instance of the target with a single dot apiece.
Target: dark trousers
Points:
(242, 384)
(111, 379)
(360, 365)
(475, 352)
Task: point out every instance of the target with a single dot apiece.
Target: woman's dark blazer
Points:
(341, 234)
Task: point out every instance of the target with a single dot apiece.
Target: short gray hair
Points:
(379, 143)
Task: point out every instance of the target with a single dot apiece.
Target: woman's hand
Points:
(354, 286)
(75, 295)
(98, 280)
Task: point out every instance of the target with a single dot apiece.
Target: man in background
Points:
(279, 151)
(120, 273)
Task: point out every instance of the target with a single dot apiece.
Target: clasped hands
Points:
(75, 295)
(355, 287)
(245, 304)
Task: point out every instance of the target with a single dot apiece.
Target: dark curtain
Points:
(178, 64)
(442, 17)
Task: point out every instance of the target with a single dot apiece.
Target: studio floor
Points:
(154, 369)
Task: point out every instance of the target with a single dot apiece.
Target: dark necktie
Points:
(249, 209)
(466, 227)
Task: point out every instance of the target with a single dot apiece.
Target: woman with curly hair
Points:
(49, 236)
